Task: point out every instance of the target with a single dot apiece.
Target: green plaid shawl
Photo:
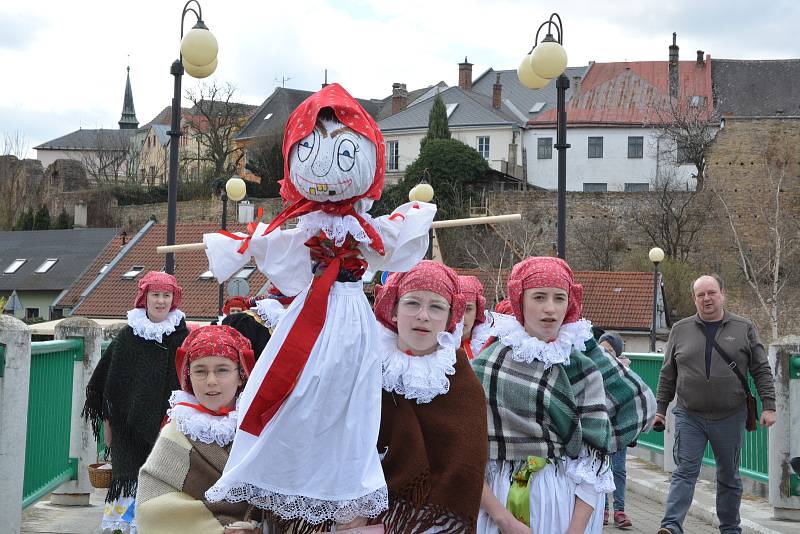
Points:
(538, 411)
(630, 402)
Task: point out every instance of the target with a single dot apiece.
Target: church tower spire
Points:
(128, 119)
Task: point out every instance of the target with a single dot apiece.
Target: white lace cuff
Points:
(145, 328)
(526, 348)
(270, 310)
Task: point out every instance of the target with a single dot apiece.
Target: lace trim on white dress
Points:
(297, 506)
(419, 378)
(145, 328)
(335, 227)
(201, 426)
(526, 348)
(270, 310)
(590, 469)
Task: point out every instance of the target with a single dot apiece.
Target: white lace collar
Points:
(201, 426)
(336, 227)
(147, 329)
(419, 378)
(526, 348)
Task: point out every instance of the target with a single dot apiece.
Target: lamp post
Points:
(656, 255)
(198, 57)
(235, 190)
(423, 192)
(546, 60)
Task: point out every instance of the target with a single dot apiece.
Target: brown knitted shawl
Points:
(436, 457)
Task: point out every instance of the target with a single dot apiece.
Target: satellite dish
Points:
(237, 287)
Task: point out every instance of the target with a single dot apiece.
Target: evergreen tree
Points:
(41, 221)
(437, 122)
(62, 222)
(25, 222)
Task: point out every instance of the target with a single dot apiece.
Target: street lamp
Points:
(198, 57)
(423, 192)
(656, 255)
(235, 190)
(546, 60)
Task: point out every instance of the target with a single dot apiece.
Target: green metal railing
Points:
(755, 451)
(47, 460)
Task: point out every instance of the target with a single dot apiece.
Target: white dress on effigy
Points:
(316, 459)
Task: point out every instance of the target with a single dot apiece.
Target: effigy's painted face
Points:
(332, 163)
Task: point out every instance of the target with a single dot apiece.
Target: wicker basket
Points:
(100, 478)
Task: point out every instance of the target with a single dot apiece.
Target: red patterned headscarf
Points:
(213, 340)
(424, 276)
(350, 113)
(504, 307)
(243, 303)
(472, 289)
(544, 271)
(158, 281)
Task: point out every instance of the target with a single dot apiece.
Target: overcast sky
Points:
(63, 62)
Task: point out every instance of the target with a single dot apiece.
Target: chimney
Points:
(700, 61)
(497, 93)
(399, 97)
(325, 83)
(465, 75)
(80, 215)
(576, 84)
(673, 67)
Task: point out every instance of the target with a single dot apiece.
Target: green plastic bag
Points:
(519, 494)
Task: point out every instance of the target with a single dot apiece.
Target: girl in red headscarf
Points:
(128, 392)
(433, 419)
(213, 364)
(549, 427)
(310, 413)
(475, 316)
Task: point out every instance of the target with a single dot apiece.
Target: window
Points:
(682, 157)
(56, 313)
(104, 268)
(16, 264)
(44, 267)
(537, 107)
(245, 273)
(544, 148)
(450, 109)
(483, 146)
(31, 313)
(268, 116)
(595, 147)
(393, 159)
(635, 147)
(207, 275)
(697, 101)
(595, 187)
(135, 270)
(637, 187)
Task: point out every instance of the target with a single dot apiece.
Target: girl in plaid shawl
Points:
(548, 421)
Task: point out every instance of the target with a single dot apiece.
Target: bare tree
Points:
(109, 159)
(687, 127)
(15, 144)
(600, 241)
(767, 257)
(670, 216)
(213, 122)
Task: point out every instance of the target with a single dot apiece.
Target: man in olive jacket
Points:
(711, 403)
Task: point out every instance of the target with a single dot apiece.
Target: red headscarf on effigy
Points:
(544, 271)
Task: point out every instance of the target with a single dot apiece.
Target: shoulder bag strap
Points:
(731, 364)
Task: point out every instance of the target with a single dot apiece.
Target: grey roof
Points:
(473, 110)
(757, 88)
(520, 96)
(74, 249)
(413, 96)
(91, 139)
(220, 107)
(161, 133)
(280, 105)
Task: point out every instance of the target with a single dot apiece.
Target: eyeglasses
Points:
(412, 307)
(222, 373)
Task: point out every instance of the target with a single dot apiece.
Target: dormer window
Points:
(537, 107)
(696, 101)
(207, 275)
(15, 265)
(245, 273)
(268, 116)
(134, 272)
(44, 267)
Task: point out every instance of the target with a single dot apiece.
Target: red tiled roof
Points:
(114, 296)
(630, 93)
(73, 295)
(611, 300)
(617, 300)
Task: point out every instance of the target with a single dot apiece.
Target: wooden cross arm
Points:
(451, 223)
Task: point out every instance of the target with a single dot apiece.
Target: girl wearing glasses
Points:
(213, 364)
(432, 437)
